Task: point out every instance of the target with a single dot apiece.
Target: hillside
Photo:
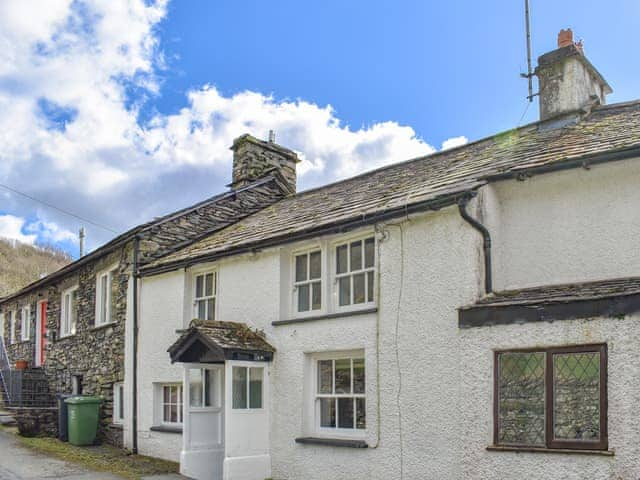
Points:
(21, 264)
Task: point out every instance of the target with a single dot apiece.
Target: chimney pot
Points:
(565, 38)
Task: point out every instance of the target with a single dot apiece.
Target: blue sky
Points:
(122, 111)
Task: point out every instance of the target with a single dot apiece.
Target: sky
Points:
(115, 112)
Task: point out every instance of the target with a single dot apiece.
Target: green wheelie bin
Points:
(84, 414)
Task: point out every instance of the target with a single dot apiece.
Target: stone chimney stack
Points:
(568, 81)
(253, 159)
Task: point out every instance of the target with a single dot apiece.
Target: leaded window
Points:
(355, 265)
(552, 398)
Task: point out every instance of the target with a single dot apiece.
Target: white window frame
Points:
(295, 284)
(2, 325)
(25, 323)
(335, 277)
(214, 296)
(68, 320)
(248, 368)
(104, 315)
(337, 432)
(118, 403)
(162, 404)
(12, 327)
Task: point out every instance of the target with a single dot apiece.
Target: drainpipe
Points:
(486, 242)
(134, 393)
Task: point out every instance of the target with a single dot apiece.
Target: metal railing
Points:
(23, 388)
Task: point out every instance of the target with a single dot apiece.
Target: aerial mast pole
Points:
(529, 74)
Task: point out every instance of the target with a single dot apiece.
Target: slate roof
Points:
(606, 133)
(226, 336)
(570, 292)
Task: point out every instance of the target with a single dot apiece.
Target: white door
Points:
(202, 453)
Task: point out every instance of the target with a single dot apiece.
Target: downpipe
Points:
(486, 242)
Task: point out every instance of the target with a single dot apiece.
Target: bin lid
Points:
(79, 400)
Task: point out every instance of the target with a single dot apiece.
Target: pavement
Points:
(20, 463)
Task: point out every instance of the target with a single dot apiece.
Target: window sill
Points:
(65, 337)
(103, 325)
(500, 448)
(166, 429)
(117, 425)
(327, 316)
(332, 442)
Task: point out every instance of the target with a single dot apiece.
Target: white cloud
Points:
(11, 227)
(70, 134)
(454, 142)
(17, 228)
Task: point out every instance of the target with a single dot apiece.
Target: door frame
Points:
(41, 333)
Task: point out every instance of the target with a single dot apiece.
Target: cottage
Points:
(469, 314)
(73, 327)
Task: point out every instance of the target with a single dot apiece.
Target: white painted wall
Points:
(435, 384)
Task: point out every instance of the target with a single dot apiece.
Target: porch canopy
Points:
(214, 342)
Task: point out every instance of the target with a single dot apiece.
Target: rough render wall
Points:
(570, 226)
(477, 344)
(161, 315)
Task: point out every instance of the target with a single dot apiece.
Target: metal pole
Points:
(529, 72)
(81, 235)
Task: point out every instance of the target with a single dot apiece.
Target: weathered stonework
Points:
(36, 421)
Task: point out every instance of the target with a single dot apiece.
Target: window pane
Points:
(303, 298)
(208, 285)
(211, 304)
(358, 375)
(199, 286)
(206, 377)
(343, 376)
(369, 252)
(521, 393)
(104, 298)
(361, 413)
(316, 296)
(370, 284)
(120, 402)
(358, 288)
(239, 387)
(344, 287)
(174, 395)
(315, 267)
(255, 387)
(167, 394)
(356, 256)
(345, 413)
(576, 402)
(174, 413)
(328, 412)
(301, 268)
(325, 376)
(341, 259)
(202, 309)
(166, 415)
(195, 387)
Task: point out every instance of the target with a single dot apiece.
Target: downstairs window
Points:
(551, 398)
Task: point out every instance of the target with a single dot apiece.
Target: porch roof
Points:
(217, 341)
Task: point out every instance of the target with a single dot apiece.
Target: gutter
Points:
(134, 391)
(338, 227)
(486, 242)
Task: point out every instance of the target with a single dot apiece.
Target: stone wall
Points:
(36, 421)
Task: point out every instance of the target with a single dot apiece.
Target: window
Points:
(355, 262)
(12, 327)
(118, 403)
(308, 281)
(247, 387)
(25, 326)
(172, 410)
(205, 296)
(340, 403)
(104, 297)
(68, 313)
(204, 388)
(551, 398)
(2, 326)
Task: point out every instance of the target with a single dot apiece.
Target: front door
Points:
(202, 453)
(41, 333)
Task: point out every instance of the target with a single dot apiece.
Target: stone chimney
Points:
(253, 159)
(568, 81)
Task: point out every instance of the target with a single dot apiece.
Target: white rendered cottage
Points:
(470, 314)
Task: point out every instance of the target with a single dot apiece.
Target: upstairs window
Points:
(355, 278)
(552, 398)
(308, 281)
(104, 297)
(204, 301)
(12, 328)
(25, 323)
(68, 313)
